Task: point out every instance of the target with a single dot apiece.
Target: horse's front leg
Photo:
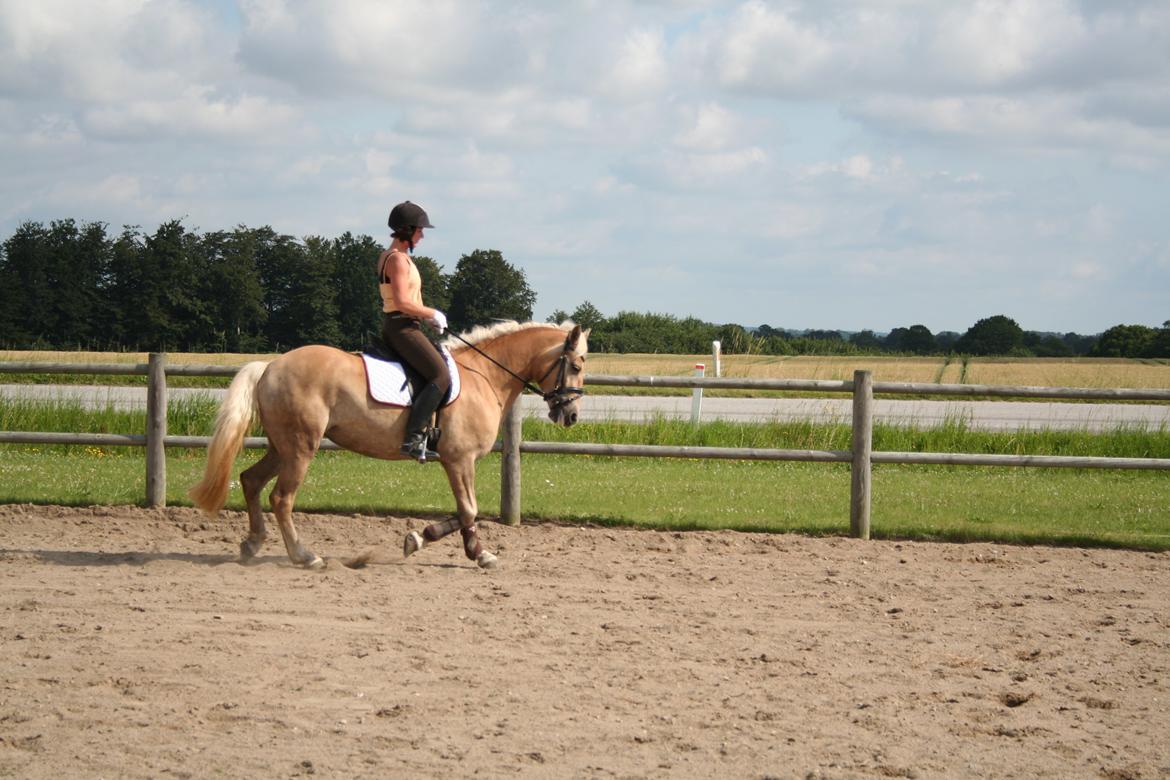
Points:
(461, 475)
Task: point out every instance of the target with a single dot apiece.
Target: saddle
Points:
(391, 380)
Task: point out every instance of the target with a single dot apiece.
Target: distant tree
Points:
(1160, 347)
(77, 261)
(945, 340)
(916, 339)
(587, 315)
(27, 315)
(169, 312)
(485, 287)
(313, 300)
(234, 291)
(1051, 346)
(824, 335)
(997, 335)
(124, 288)
(866, 340)
(355, 285)
(435, 284)
(735, 340)
(557, 317)
(10, 296)
(278, 260)
(1080, 345)
(629, 331)
(767, 331)
(777, 345)
(1125, 341)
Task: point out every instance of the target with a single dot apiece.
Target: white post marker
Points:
(697, 396)
(716, 352)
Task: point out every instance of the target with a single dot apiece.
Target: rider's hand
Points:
(439, 321)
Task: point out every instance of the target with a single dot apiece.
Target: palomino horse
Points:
(317, 391)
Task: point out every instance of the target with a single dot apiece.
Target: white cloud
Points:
(639, 67)
(1086, 270)
(861, 167)
(712, 127)
(118, 189)
(194, 112)
(997, 42)
(766, 49)
(102, 51)
(925, 145)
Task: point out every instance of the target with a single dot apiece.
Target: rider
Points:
(403, 310)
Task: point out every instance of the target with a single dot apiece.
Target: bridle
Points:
(560, 396)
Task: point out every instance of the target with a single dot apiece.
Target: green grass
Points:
(952, 436)
(185, 417)
(1055, 506)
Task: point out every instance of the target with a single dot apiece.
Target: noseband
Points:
(560, 396)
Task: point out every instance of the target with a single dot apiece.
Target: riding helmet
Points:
(408, 215)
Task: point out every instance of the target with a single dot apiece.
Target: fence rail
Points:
(861, 457)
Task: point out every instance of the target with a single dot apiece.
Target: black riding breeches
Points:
(405, 337)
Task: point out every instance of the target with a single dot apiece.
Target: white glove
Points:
(439, 321)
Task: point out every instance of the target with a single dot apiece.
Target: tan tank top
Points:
(386, 289)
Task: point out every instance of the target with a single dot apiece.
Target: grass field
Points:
(1029, 505)
(1110, 508)
(1052, 506)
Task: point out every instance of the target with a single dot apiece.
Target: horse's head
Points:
(563, 383)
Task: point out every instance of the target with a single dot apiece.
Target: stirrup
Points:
(416, 448)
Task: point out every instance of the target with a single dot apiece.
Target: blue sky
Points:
(807, 165)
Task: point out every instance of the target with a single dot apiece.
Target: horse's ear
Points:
(574, 336)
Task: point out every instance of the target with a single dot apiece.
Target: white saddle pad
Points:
(388, 383)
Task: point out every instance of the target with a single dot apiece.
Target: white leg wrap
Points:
(412, 544)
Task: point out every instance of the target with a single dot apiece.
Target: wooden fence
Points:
(861, 456)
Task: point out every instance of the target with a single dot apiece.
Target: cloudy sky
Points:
(830, 164)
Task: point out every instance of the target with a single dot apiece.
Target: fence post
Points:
(156, 431)
(510, 467)
(697, 396)
(862, 471)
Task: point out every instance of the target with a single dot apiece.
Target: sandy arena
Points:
(134, 645)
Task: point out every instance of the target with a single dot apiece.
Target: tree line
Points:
(70, 285)
(997, 335)
(76, 286)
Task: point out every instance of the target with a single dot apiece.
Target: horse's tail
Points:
(231, 423)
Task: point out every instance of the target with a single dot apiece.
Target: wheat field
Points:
(1043, 372)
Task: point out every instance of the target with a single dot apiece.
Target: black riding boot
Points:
(422, 408)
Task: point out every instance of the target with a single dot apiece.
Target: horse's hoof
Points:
(412, 544)
(314, 563)
(248, 550)
(487, 561)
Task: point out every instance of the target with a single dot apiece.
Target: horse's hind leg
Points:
(291, 475)
(253, 480)
(432, 533)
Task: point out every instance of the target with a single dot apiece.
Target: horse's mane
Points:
(484, 333)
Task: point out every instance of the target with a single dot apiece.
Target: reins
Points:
(558, 396)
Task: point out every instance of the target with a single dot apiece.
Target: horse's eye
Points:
(576, 366)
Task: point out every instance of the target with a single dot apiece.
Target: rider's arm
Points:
(398, 269)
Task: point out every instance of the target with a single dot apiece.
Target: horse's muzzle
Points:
(563, 415)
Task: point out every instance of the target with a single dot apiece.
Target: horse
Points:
(317, 391)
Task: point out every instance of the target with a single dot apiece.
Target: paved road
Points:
(983, 415)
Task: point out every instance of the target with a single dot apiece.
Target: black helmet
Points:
(408, 215)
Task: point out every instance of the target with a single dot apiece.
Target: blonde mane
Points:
(483, 333)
